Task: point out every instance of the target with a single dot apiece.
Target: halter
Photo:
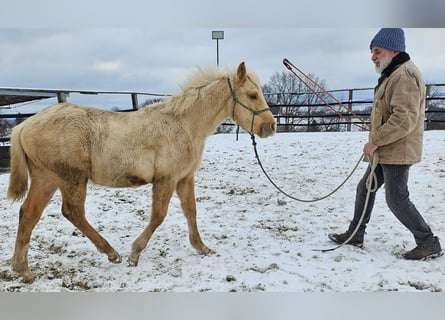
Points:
(236, 101)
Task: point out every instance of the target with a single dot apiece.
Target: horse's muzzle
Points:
(267, 130)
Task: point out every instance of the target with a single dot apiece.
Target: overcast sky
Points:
(157, 58)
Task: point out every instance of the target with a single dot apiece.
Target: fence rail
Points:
(296, 111)
(290, 115)
(301, 116)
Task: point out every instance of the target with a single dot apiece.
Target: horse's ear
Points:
(241, 73)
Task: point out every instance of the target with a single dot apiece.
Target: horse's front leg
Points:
(162, 193)
(186, 193)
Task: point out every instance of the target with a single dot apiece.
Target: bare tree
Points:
(292, 101)
(5, 129)
(149, 102)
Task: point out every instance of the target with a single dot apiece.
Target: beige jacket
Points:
(397, 117)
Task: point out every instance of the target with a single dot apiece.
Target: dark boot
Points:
(340, 238)
(425, 251)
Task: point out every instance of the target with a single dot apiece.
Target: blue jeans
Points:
(395, 178)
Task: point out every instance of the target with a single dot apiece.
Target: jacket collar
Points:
(399, 59)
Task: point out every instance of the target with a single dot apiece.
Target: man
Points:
(396, 134)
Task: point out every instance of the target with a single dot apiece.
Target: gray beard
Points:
(383, 64)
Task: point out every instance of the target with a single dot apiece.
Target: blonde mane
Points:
(200, 79)
(203, 77)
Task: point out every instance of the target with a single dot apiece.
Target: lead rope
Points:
(371, 186)
(293, 197)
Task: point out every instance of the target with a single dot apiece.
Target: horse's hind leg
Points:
(73, 208)
(40, 192)
(186, 193)
(162, 193)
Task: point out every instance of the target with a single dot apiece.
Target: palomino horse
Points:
(65, 145)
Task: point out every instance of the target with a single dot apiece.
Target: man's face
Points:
(382, 58)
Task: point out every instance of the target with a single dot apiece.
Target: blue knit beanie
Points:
(389, 38)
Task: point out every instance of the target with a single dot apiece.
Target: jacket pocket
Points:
(377, 112)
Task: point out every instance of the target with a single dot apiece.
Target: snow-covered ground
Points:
(263, 240)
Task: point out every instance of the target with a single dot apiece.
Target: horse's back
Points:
(59, 125)
(76, 143)
(115, 149)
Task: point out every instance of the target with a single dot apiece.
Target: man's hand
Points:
(369, 148)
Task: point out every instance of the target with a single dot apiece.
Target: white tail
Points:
(18, 180)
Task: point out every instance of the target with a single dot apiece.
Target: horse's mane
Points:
(191, 88)
(203, 77)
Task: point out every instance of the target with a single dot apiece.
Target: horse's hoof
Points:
(25, 273)
(115, 258)
(29, 278)
(132, 262)
(207, 251)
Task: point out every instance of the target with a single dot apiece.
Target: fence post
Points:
(134, 101)
(351, 93)
(61, 97)
(426, 122)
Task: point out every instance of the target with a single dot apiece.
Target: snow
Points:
(264, 241)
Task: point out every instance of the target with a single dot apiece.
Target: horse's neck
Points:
(210, 108)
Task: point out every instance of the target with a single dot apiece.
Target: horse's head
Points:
(250, 109)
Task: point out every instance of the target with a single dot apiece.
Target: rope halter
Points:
(236, 101)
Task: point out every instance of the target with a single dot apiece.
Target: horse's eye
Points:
(253, 96)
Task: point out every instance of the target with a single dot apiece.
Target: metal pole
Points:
(217, 52)
(217, 35)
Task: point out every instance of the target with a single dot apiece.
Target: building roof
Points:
(9, 96)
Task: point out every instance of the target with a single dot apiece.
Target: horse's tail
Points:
(18, 179)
